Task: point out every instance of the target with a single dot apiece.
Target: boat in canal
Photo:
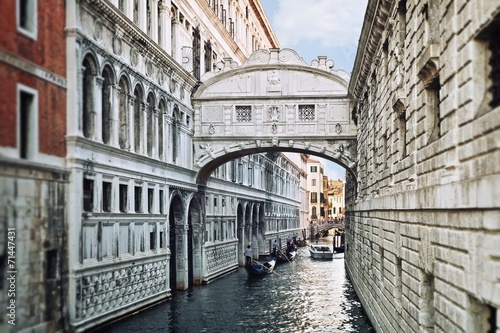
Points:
(258, 268)
(320, 251)
(286, 257)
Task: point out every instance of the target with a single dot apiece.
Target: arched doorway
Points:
(177, 244)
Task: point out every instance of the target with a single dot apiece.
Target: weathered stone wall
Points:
(423, 231)
(32, 216)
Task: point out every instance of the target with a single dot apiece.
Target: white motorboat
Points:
(319, 251)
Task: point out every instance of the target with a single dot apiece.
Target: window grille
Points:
(495, 70)
(306, 113)
(243, 114)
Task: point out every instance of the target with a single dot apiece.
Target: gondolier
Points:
(248, 255)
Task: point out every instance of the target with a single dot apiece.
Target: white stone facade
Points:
(140, 225)
(423, 230)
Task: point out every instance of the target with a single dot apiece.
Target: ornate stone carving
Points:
(98, 29)
(211, 129)
(273, 80)
(274, 128)
(117, 44)
(149, 68)
(134, 57)
(98, 293)
(338, 128)
(274, 113)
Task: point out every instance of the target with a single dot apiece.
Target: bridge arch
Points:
(273, 102)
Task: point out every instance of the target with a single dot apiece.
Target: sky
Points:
(319, 28)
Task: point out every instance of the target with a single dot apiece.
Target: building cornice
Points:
(371, 39)
(261, 16)
(140, 39)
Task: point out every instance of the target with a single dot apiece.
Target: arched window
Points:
(161, 139)
(88, 73)
(107, 95)
(150, 114)
(123, 136)
(137, 119)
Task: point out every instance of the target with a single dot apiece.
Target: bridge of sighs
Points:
(273, 102)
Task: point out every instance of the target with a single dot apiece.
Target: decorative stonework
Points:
(98, 30)
(274, 113)
(220, 257)
(103, 292)
(149, 68)
(117, 44)
(273, 80)
(134, 57)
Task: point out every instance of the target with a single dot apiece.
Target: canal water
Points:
(305, 295)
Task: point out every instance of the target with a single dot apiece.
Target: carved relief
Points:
(117, 45)
(134, 57)
(98, 29)
(274, 113)
(273, 80)
(104, 291)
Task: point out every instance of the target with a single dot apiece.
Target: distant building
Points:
(335, 194)
(315, 188)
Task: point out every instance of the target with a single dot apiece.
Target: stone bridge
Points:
(273, 102)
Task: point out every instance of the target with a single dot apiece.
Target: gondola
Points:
(286, 257)
(258, 268)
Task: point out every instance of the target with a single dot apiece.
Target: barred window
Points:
(494, 47)
(306, 112)
(243, 113)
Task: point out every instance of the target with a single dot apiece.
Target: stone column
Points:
(143, 129)
(143, 16)
(166, 26)
(154, 139)
(129, 9)
(115, 118)
(97, 109)
(174, 50)
(131, 141)
(154, 20)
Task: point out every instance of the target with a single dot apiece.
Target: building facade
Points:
(315, 188)
(423, 228)
(96, 155)
(33, 177)
(335, 194)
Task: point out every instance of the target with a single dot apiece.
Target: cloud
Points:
(331, 23)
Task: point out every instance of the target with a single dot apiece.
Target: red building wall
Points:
(48, 52)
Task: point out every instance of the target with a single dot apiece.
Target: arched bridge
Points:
(320, 228)
(273, 102)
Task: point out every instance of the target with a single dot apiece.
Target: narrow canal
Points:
(305, 295)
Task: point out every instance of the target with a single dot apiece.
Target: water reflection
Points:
(303, 296)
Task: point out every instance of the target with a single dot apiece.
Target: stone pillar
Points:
(182, 257)
(115, 120)
(161, 139)
(143, 129)
(154, 20)
(174, 50)
(166, 26)
(154, 139)
(96, 112)
(131, 102)
(143, 15)
(129, 9)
